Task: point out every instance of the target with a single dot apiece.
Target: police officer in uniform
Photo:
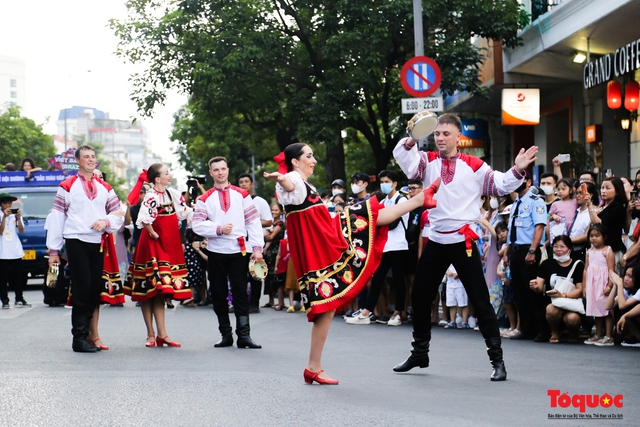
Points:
(527, 222)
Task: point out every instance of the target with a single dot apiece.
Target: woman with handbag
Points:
(158, 268)
(560, 279)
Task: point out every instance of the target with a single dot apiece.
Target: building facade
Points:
(123, 143)
(574, 101)
(12, 82)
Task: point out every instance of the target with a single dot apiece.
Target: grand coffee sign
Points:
(624, 60)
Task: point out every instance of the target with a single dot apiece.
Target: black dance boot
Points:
(224, 326)
(242, 330)
(80, 331)
(419, 355)
(494, 350)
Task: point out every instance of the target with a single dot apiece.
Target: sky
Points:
(60, 41)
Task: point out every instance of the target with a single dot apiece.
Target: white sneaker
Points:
(360, 319)
(472, 322)
(395, 320)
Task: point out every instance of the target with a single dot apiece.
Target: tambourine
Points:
(422, 124)
(52, 275)
(258, 269)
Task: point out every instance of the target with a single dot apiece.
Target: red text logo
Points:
(583, 401)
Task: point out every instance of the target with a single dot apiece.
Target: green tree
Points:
(280, 71)
(21, 137)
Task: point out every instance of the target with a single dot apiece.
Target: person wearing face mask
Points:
(338, 187)
(548, 181)
(549, 272)
(359, 184)
(527, 221)
(394, 256)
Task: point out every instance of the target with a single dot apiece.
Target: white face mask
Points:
(336, 191)
(548, 189)
(494, 203)
(562, 258)
(356, 188)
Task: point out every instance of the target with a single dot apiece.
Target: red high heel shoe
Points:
(429, 203)
(102, 347)
(161, 341)
(310, 377)
(151, 343)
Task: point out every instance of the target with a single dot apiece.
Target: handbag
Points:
(565, 285)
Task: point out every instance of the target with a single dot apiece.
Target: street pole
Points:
(418, 36)
(418, 33)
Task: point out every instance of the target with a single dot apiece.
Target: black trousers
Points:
(432, 267)
(396, 260)
(11, 275)
(224, 269)
(256, 291)
(85, 269)
(532, 307)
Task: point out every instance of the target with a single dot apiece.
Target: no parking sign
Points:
(420, 76)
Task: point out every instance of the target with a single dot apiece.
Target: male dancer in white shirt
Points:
(84, 208)
(464, 179)
(225, 215)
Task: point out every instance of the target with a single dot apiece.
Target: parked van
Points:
(35, 200)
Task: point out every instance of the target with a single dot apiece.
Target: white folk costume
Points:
(228, 260)
(334, 258)
(464, 179)
(78, 204)
(158, 266)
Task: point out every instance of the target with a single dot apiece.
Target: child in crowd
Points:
(457, 300)
(496, 291)
(597, 285)
(273, 237)
(282, 260)
(562, 212)
(624, 296)
(192, 255)
(504, 273)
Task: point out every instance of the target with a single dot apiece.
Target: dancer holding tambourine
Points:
(463, 179)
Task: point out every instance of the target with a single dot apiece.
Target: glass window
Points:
(14, 94)
(13, 83)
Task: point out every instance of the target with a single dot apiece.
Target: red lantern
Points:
(614, 95)
(631, 95)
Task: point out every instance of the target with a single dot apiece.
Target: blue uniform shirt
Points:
(531, 212)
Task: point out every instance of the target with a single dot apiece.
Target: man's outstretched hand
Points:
(525, 158)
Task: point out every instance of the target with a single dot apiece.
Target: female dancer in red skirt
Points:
(158, 269)
(333, 257)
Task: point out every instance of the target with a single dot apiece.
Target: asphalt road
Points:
(43, 383)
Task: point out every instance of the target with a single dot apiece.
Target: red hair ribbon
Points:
(282, 165)
(134, 195)
(469, 235)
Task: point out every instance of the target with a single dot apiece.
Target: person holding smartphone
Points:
(11, 252)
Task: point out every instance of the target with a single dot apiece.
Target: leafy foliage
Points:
(262, 74)
(21, 137)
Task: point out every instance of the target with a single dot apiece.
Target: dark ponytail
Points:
(293, 151)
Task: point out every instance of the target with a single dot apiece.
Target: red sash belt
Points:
(243, 247)
(469, 236)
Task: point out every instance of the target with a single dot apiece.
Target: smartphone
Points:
(583, 189)
(608, 173)
(564, 158)
(633, 194)
(14, 210)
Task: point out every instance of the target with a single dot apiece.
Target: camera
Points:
(192, 181)
(14, 210)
